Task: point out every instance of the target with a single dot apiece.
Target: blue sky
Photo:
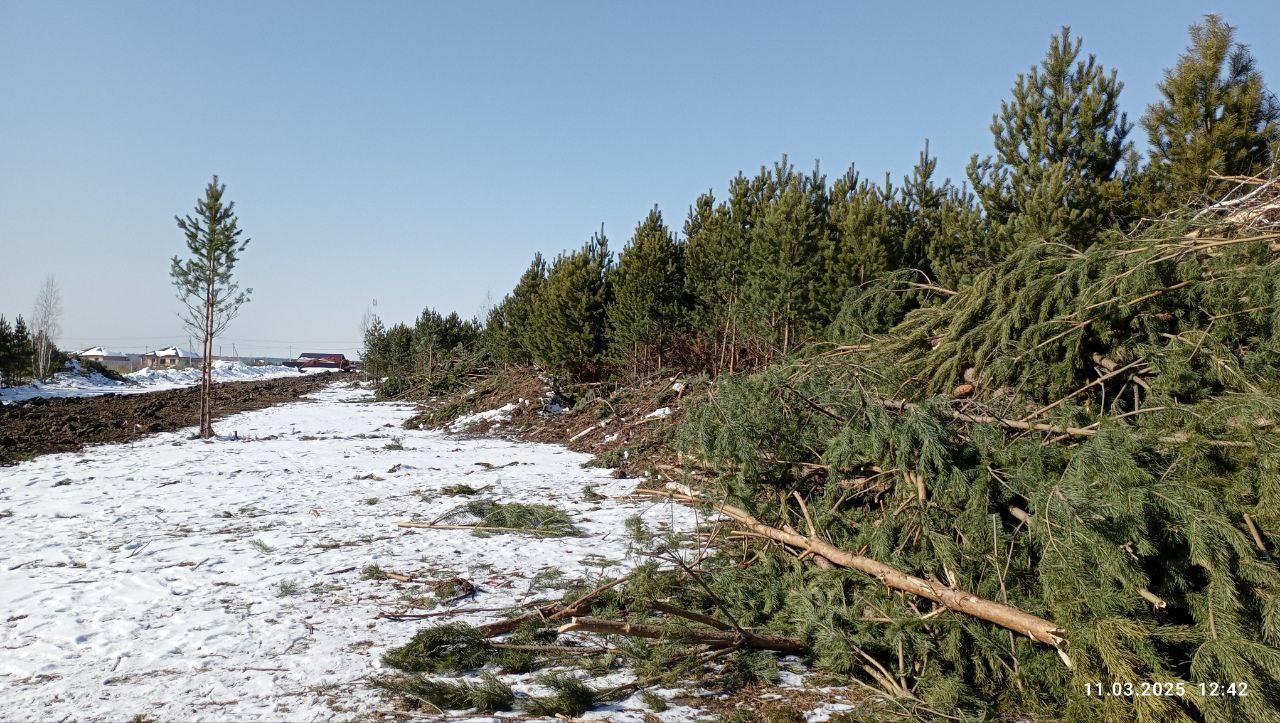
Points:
(418, 153)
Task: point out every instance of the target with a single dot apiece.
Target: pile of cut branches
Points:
(667, 622)
(1088, 439)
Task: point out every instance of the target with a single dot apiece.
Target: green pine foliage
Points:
(1060, 142)
(568, 321)
(441, 649)
(781, 297)
(649, 308)
(1139, 517)
(543, 520)
(1214, 116)
(7, 353)
(434, 355)
(859, 243)
(787, 259)
(487, 695)
(509, 329)
(717, 244)
(569, 698)
(205, 280)
(17, 352)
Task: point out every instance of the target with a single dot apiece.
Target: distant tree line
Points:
(787, 257)
(17, 352)
(27, 347)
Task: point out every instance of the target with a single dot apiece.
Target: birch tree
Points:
(46, 325)
(209, 293)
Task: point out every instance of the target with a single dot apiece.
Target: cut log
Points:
(719, 638)
(953, 598)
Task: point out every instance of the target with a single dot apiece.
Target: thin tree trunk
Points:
(206, 366)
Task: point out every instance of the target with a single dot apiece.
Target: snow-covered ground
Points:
(221, 580)
(79, 383)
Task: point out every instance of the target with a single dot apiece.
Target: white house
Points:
(170, 358)
(116, 360)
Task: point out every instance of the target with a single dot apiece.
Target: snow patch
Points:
(78, 382)
(499, 415)
(184, 579)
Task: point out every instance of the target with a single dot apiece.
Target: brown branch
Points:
(1255, 534)
(668, 608)
(719, 638)
(1083, 389)
(549, 612)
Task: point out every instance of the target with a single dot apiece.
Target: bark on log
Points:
(723, 638)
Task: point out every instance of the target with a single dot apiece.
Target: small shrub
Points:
(285, 588)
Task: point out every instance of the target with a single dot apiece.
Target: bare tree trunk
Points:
(45, 321)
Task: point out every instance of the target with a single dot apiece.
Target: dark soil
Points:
(41, 426)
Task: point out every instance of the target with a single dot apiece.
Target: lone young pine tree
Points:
(204, 280)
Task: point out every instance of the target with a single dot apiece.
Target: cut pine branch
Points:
(550, 612)
(717, 638)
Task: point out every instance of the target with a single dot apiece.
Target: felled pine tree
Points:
(569, 311)
(1215, 116)
(1092, 437)
(649, 306)
(1059, 142)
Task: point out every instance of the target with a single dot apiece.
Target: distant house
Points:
(170, 358)
(114, 360)
(314, 360)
